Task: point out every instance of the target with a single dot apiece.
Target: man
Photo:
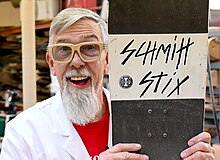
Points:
(74, 124)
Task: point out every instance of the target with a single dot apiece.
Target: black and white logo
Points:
(126, 81)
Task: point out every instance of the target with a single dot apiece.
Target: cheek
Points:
(98, 71)
(60, 70)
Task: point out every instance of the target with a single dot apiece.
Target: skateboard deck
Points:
(157, 59)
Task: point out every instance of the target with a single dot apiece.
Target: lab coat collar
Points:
(75, 147)
(110, 117)
(63, 126)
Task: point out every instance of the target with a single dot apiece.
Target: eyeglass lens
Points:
(61, 53)
(87, 52)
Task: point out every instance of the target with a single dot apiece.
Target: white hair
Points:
(81, 105)
(69, 16)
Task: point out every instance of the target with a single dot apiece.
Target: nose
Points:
(76, 61)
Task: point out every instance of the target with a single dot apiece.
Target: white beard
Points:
(81, 105)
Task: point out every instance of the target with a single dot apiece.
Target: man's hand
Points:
(199, 148)
(123, 152)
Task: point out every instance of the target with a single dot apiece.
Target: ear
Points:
(51, 64)
(106, 70)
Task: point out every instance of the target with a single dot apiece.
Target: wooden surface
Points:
(15, 30)
(215, 79)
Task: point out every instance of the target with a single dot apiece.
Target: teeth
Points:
(78, 78)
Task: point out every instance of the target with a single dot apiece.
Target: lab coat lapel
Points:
(75, 147)
(72, 142)
(110, 117)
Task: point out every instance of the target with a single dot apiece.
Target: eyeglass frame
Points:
(76, 47)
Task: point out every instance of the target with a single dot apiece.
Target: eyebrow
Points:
(62, 40)
(89, 36)
(83, 37)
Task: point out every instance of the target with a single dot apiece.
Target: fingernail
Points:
(190, 143)
(183, 154)
(145, 157)
(137, 146)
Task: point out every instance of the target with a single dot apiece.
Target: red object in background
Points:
(89, 4)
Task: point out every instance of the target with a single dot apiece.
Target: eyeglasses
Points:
(87, 51)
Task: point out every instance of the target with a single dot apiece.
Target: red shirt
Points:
(95, 135)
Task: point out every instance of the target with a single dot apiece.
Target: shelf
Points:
(214, 31)
(215, 65)
(216, 90)
(16, 30)
(2, 106)
(210, 115)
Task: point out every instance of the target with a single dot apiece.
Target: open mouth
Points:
(79, 80)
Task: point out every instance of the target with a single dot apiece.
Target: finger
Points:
(124, 156)
(125, 147)
(200, 156)
(202, 137)
(199, 147)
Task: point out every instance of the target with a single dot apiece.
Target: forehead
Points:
(82, 30)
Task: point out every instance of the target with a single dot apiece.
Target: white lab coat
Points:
(43, 132)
